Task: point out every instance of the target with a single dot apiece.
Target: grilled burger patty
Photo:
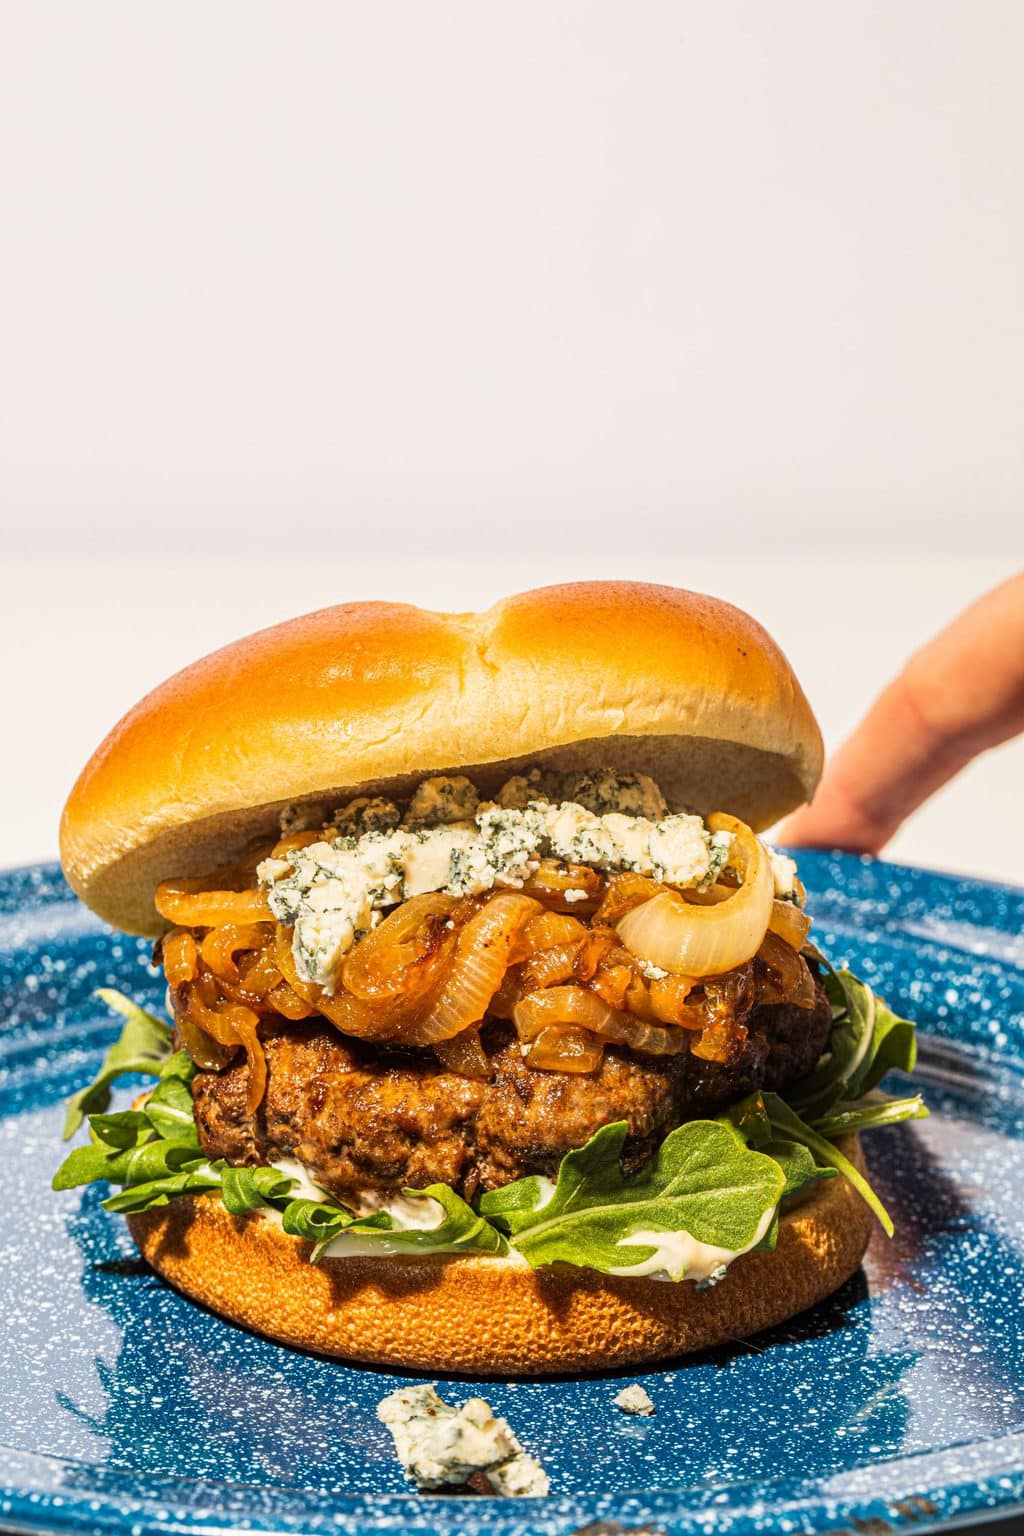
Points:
(361, 1119)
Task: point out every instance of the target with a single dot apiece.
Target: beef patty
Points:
(364, 1120)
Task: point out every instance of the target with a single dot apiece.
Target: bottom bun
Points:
(495, 1317)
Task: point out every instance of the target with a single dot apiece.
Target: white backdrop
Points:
(440, 299)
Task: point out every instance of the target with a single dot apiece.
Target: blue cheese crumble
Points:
(333, 890)
(634, 1400)
(787, 887)
(440, 1446)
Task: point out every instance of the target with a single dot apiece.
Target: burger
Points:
(497, 1041)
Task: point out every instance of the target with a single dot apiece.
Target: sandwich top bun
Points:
(369, 698)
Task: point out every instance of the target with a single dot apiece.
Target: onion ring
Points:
(690, 940)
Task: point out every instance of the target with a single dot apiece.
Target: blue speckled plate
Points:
(124, 1408)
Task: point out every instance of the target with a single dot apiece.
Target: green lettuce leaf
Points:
(797, 1164)
(250, 1189)
(191, 1180)
(169, 1111)
(867, 1041)
(460, 1230)
(703, 1180)
(142, 1046)
(721, 1181)
(789, 1123)
(872, 1112)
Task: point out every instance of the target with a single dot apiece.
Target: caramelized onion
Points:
(402, 955)
(789, 923)
(481, 958)
(597, 951)
(622, 894)
(582, 1008)
(789, 971)
(547, 967)
(220, 946)
(566, 1050)
(550, 928)
(209, 909)
(502, 1004)
(720, 1041)
(288, 1003)
(561, 1005)
(691, 940)
(552, 879)
(293, 840)
(612, 983)
(229, 1025)
(464, 1054)
(436, 966)
(366, 1021)
(730, 996)
(203, 1049)
(258, 972)
(285, 961)
(668, 996)
(180, 957)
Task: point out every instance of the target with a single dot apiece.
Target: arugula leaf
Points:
(703, 1180)
(247, 1189)
(797, 1164)
(870, 1113)
(116, 1132)
(169, 1111)
(893, 1043)
(718, 1181)
(181, 1066)
(866, 1042)
(154, 1153)
(750, 1119)
(160, 1191)
(461, 1228)
(142, 1046)
(799, 1169)
(786, 1120)
(317, 1222)
(133, 1165)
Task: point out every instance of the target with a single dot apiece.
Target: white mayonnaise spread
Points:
(679, 1255)
(304, 1188)
(546, 1188)
(407, 1214)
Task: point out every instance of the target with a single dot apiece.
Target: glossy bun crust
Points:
(489, 1317)
(372, 697)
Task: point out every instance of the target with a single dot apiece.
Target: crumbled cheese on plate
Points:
(440, 1446)
(634, 1400)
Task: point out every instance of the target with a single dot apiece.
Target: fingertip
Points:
(834, 820)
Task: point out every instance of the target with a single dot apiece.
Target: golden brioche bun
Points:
(372, 697)
(490, 1317)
